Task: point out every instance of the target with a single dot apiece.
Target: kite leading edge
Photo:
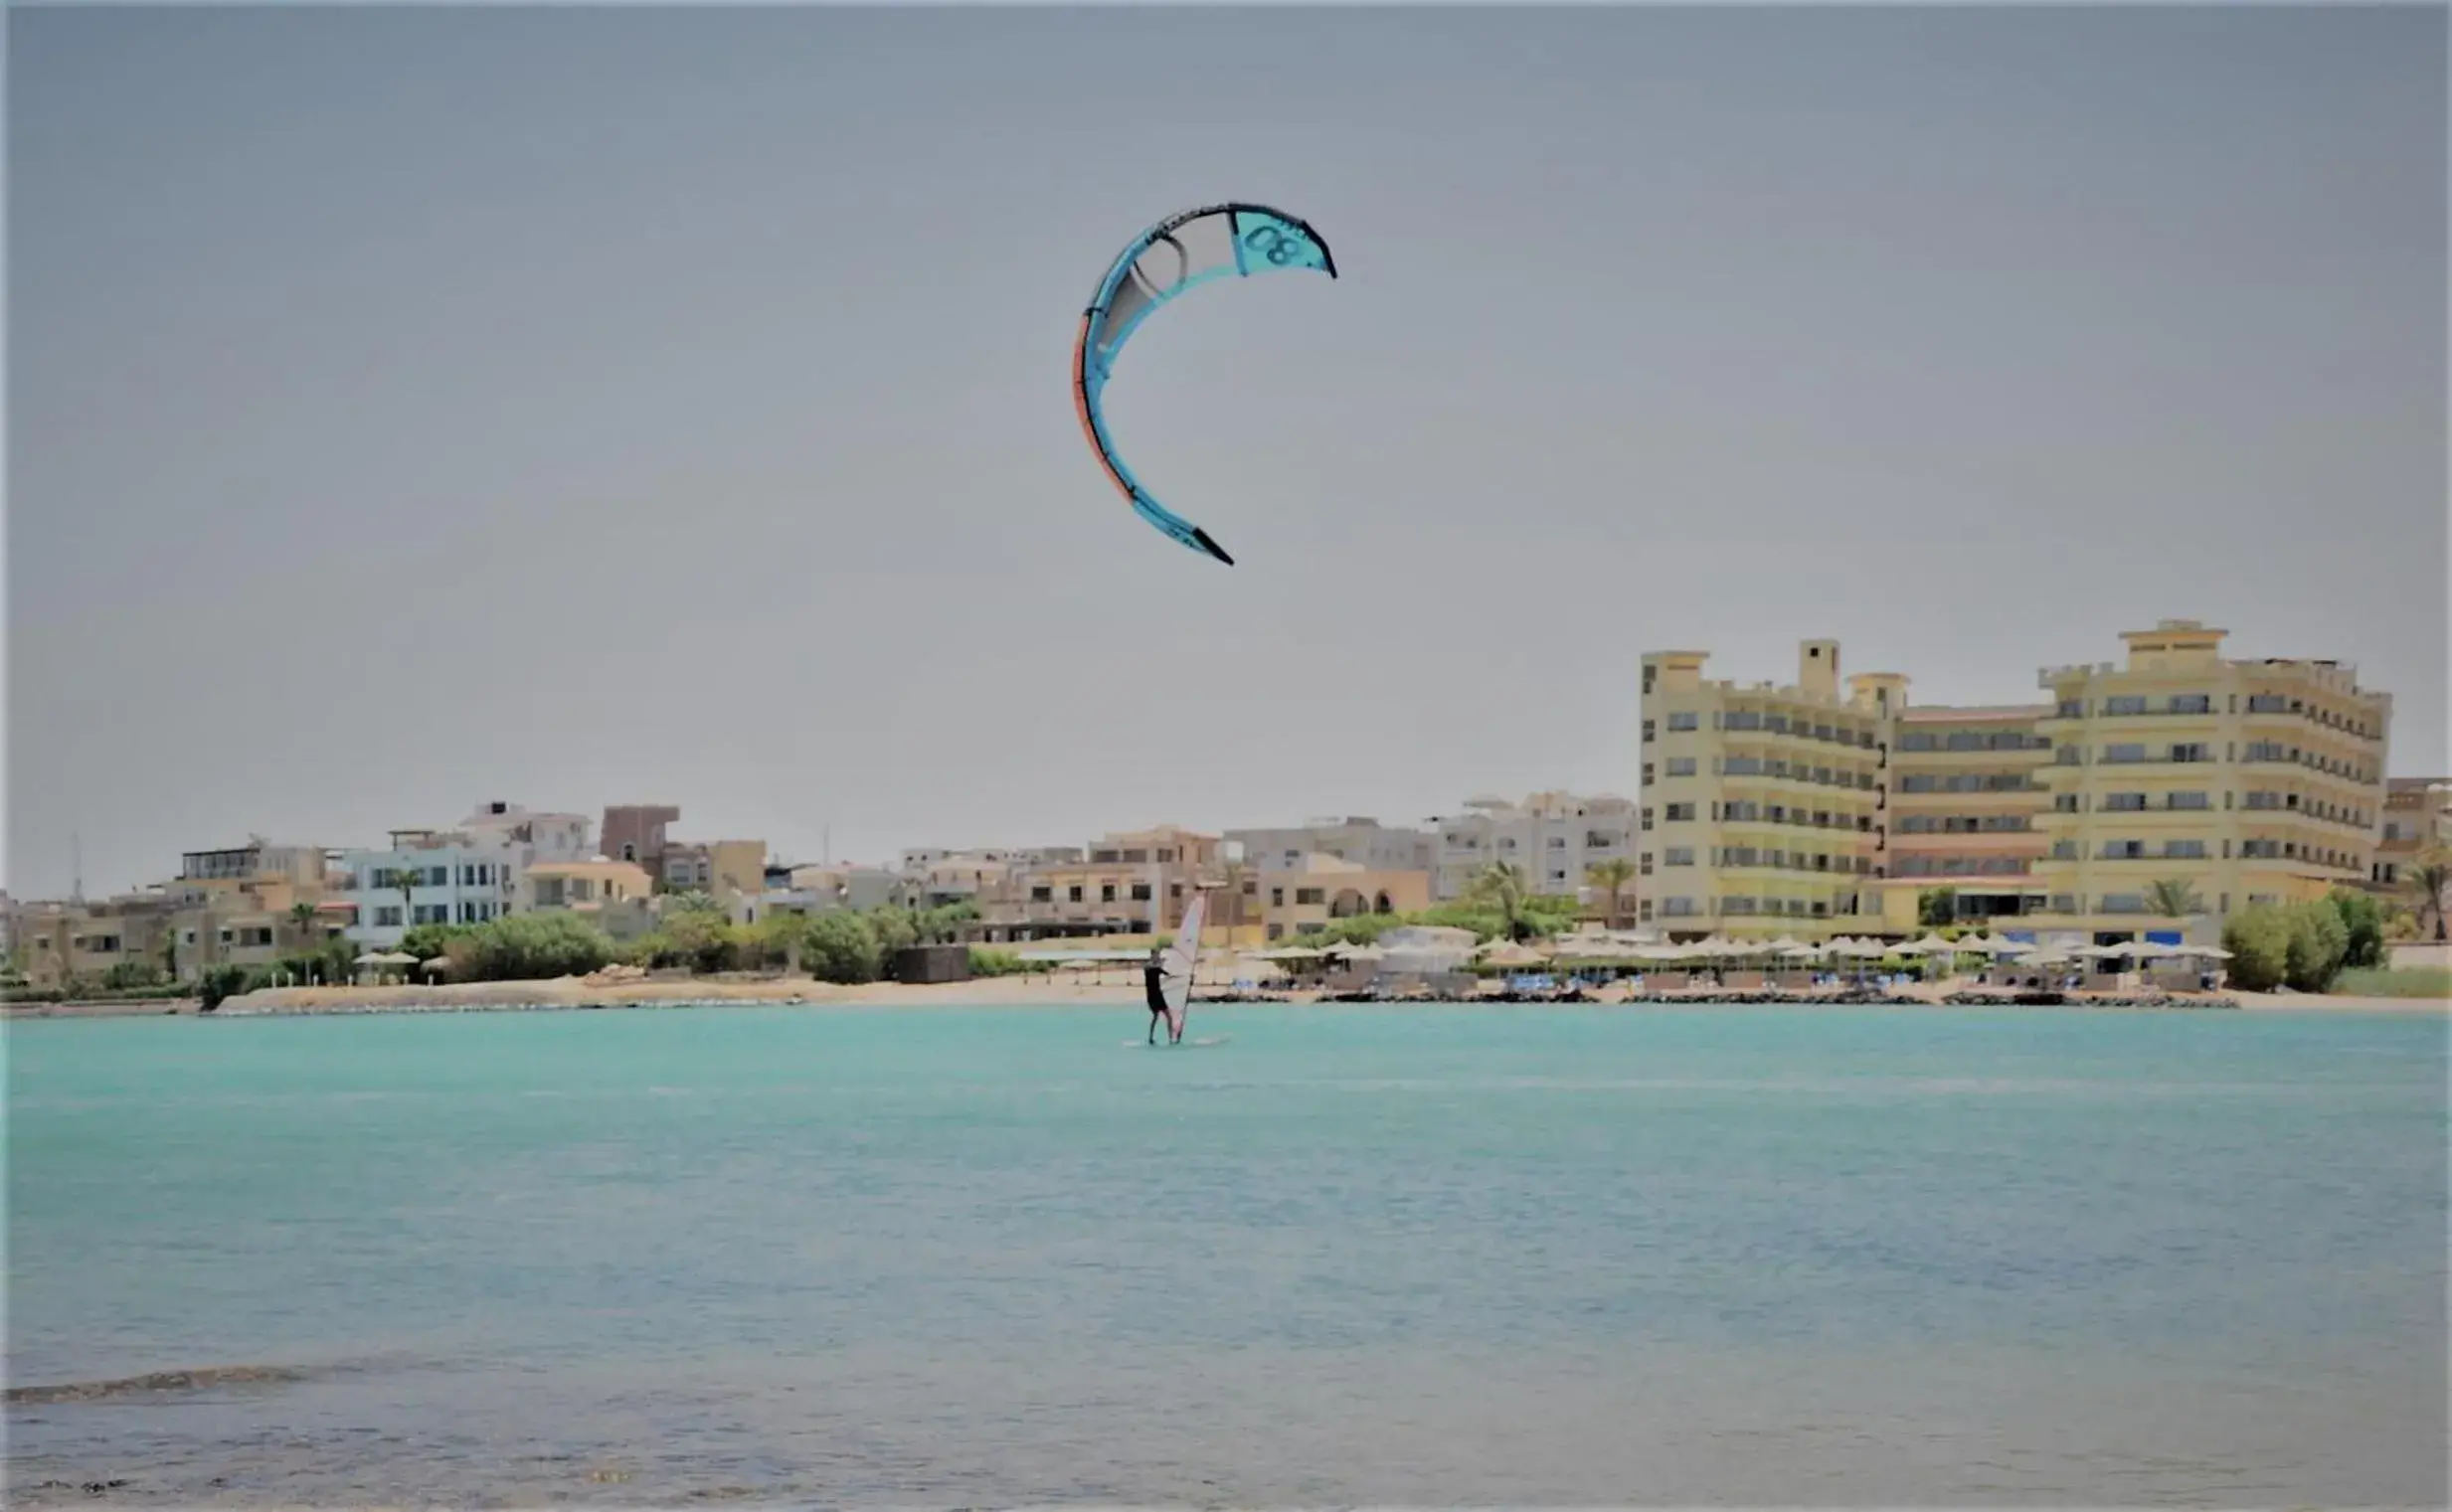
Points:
(1189, 249)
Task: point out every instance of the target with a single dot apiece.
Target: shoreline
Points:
(580, 994)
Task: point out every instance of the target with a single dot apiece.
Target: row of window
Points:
(1963, 825)
(1972, 739)
(473, 874)
(1968, 782)
(2130, 705)
(2197, 850)
(1960, 865)
(1798, 772)
(1681, 721)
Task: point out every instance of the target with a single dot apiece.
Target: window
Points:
(2124, 802)
(1141, 892)
(1649, 732)
(2190, 801)
(2192, 703)
(1918, 740)
(1965, 740)
(1310, 896)
(2127, 704)
(386, 916)
(1106, 892)
(2185, 849)
(2190, 751)
(1681, 766)
(1075, 892)
(1677, 908)
(1680, 720)
(1276, 898)
(1677, 855)
(2124, 753)
(1680, 813)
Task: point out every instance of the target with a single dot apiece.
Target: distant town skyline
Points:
(581, 407)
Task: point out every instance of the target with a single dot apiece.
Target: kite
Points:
(1185, 250)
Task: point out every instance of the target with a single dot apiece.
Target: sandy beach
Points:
(571, 993)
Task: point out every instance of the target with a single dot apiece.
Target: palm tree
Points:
(1501, 889)
(2172, 898)
(1612, 874)
(302, 919)
(2428, 878)
(405, 878)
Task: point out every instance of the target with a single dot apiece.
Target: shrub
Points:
(128, 974)
(985, 962)
(843, 947)
(528, 947)
(2317, 941)
(2258, 940)
(2363, 918)
(219, 982)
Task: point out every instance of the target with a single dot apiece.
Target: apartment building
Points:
(1554, 838)
(429, 876)
(1966, 806)
(725, 870)
(1319, 889)
(2256, 780)
(1132, 883)
(1361, 840)
(1763, 803)
(2417, 819)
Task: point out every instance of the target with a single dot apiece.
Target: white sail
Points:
(1175, 966)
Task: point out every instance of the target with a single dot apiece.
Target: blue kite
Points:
(1185, 250)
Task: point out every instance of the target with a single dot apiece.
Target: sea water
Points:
(1428, 1256)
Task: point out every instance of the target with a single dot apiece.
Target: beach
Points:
(568, 993)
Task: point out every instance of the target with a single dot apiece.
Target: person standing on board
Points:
(1154, 983)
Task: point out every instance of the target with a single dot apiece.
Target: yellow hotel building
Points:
(1799, 810)
(1761, 807)
(2251, 781)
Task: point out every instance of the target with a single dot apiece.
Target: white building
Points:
(1552, 837)
(452, 877)
(1364, 841)
(544, 837)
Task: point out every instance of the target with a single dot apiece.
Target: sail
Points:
(1175, 966)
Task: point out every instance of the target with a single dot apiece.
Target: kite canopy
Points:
(1181, 251)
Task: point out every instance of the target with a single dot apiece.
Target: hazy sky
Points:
(418, 407)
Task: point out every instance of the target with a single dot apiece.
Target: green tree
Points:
(2173, 899)
(2318, 941)
(1500, 890)
(892, 929)
(530, 946)
(405, 882)
(428, 940)
(1612, 877)
(2363, 917)
(1937, 908)
(2429, 881)
(302, 922)
(701, 937)
(2258, 940)
(842, 946)
(217, 984)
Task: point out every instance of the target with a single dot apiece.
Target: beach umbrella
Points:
(1506, 952)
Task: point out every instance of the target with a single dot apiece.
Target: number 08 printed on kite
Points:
(1181, 253)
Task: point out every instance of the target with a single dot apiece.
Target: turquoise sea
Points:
(1426, 1256)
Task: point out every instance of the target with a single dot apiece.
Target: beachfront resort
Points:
(2122, 820)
